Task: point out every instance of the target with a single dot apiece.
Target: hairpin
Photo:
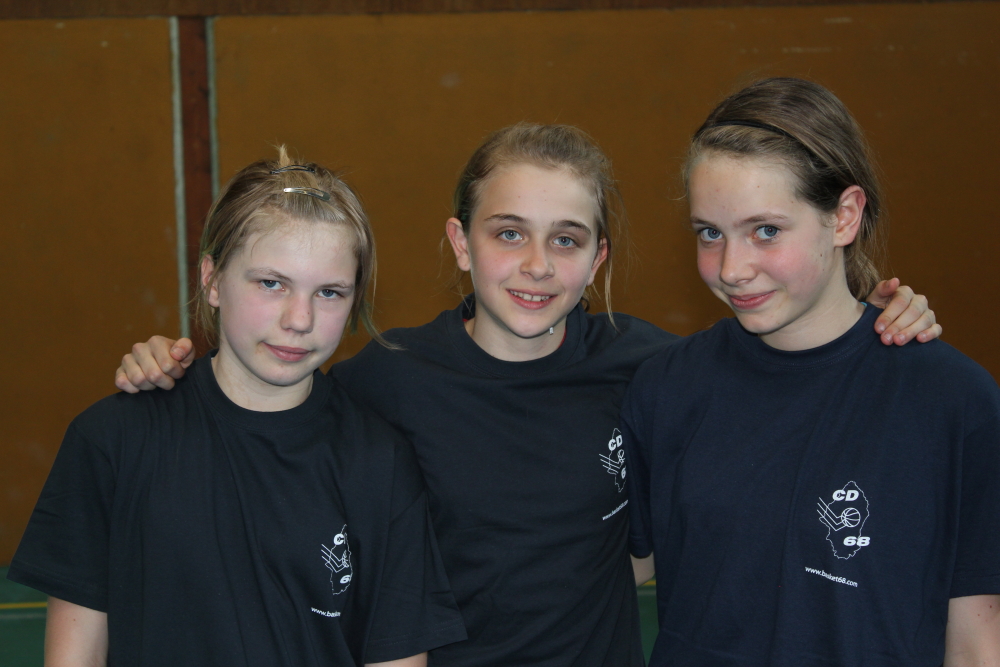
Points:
(294, 167)
(312, 192)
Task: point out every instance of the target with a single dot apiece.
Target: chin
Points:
(756, 324)
(285, 377)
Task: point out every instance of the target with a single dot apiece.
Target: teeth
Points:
(530, 297)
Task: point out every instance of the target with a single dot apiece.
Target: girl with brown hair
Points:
(792, 523)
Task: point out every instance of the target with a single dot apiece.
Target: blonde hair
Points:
(255, 200)
(548, 147)
(808, 129)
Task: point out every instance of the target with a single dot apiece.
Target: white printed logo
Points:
(338, 561)
(844, 517)
(614, 460)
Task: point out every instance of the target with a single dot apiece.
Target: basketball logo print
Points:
(338, 560)
(614, 460)
(844, 517)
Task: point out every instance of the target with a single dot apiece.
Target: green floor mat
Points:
(22, 624)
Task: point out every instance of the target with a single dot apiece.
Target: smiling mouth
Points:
(749, 302)
(287, 353)
(530, 298)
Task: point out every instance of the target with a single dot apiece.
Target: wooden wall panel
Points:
(88, 224)
(48, 9)
(401, 102)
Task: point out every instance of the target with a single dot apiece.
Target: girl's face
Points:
(283, 302)
(532, 249)
(775, 259)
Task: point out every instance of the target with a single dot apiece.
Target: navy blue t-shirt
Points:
(817, 507)
(216, 535)
(525, 480)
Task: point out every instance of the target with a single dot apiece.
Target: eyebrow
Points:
(752, 220)
(511, 217)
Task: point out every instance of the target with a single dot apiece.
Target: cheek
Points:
(243, 312)
(799, 271)
(709, 264)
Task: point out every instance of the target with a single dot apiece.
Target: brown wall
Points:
(88, 228)
(400, 101)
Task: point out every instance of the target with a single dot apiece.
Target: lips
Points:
(749, 301)
(287, 353)
(530, 300)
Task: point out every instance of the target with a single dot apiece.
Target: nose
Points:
(298, 314)
(738, 263)
(536, 262)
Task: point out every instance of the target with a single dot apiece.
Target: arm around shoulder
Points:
(972, 637)
(75, 636)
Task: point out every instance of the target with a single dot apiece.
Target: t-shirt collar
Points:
(252, 420)
(490, 365)
(858, 336)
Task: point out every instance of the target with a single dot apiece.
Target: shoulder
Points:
(130, 412)
(626, 337)
(407, 342)
(687, 353)
(939, 368)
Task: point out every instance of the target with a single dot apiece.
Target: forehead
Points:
(298, 242)
(723, 188)
(537, 194)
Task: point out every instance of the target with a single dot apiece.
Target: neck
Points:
(507, 346)
(248, 391)
(828, 320)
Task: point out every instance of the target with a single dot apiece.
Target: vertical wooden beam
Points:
(197, 143)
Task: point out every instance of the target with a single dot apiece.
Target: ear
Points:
(211, 286)
(602, 254)
(849, 215)
(459, 243)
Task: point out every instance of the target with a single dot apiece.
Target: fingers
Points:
(183, 351)
(915, 320)
(924, 329)
(883, 291)
(156, 358)
(122, 381)
(143, 370)
(902, 300)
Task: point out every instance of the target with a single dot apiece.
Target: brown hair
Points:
(807, 128)
(548, 147)
(254, 200)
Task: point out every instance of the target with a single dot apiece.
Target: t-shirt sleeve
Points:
(977, 562)
(637, 458)
(64, 550)
(415, 610)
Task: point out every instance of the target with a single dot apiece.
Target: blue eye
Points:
(565, 242)
(510, 235)
(329, 293)
(766, 232)
(709, 234)
(270, 284)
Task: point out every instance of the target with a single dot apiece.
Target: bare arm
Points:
(644, 569)
(419, 660)
(972, 637)
(75, 636)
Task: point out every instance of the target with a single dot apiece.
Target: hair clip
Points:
(312, 192)
(294, 167)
